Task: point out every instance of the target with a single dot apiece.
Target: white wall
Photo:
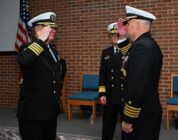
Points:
(9, 15)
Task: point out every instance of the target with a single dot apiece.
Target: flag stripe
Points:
(22, 29)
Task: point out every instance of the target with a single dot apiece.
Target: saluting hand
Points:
(121, 28)
(43, 34)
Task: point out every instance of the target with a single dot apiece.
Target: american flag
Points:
(22, 30)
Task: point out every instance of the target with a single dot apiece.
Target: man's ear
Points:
(137, 25)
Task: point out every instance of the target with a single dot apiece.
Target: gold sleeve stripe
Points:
(131, 111)
(124, 52)
(133, 108)
(102, 89)
(131, 115)
(35, 48)
(125, 49)
(32, 49)
(39, 47)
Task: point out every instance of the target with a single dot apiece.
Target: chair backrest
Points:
(90, 82)
(174, 84)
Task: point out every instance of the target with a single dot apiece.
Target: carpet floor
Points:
(9, 133)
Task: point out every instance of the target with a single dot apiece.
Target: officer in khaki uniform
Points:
(40, 66)
(112, 80)
(142, 110)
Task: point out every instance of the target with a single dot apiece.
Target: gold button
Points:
(54, 91)
(54, 82)
(130, 102)
(112, 77)
(122, 99)
(112, 70)
(122, 85)
(112, 85)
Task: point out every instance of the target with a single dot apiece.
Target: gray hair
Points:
(146, 23)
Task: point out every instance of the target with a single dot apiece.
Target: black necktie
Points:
(52, 54)
(117, 57)
(117, 51)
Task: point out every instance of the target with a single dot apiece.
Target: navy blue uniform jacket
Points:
(41, 86)
(142, 104)
(113, 73)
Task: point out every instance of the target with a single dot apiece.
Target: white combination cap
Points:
(112, 28)
(134, 13)
(46, 19)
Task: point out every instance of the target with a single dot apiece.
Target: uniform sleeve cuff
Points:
(128, 119)
(41, 43)
(102, 94)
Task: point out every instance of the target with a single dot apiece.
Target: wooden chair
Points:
(88, 95)
(172, 103)
(63, 94)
